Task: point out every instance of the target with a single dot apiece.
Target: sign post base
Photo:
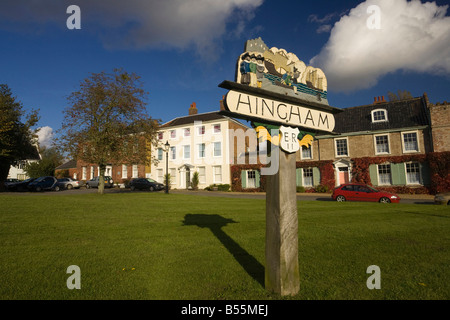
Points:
(282, 269)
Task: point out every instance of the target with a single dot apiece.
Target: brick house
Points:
(400, 146)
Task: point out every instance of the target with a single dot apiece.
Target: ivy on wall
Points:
(438, 162)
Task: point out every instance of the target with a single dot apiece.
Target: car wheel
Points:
(88, 186)
(132, 188)
(340, 198)
(385, 200)
(152, 188)
(57, 188)
(69, 186)
(38, 189)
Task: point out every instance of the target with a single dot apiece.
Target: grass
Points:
(157, 246)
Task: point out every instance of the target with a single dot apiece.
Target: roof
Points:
(401, 114)
(68, 165)
(203, 117)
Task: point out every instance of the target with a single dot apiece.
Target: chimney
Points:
(193, 109)
(378, 100)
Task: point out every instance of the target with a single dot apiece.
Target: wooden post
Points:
(282, 270)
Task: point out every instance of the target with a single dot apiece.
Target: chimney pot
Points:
(193, 109)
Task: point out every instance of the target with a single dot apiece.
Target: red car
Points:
(362, 192)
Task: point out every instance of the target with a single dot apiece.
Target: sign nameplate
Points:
(280, 112)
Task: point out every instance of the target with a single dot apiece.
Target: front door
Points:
(343, 175)
(188, 178)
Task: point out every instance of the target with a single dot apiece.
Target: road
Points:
(411, 199)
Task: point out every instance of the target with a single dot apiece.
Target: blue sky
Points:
(183, 49)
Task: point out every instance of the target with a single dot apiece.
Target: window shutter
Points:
(257, 178)
(373, 174)
(398, 174)
(299, 176)
(244, 178)
(425, 173)
(316, 176)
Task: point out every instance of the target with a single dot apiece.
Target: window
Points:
(201, 130)
(160, 135)
(202, 175)
(173, 134)
(173, 176)
(381, 144)
(410, 142)
(341, 147)
(217, 171)
(187, 132)
(412, 173)
(83, 173)
(160, 176)
(308, 180)
(379, 115)
(92, 173)
(201, 150)
(384, 174)
(216, 128)
(187, 152)
(173, 153)
(217, 149)
(306, 152)
(251, 179)
(124, 171)
(135, 171)
(160, 153)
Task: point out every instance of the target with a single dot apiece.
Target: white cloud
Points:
(141, 24)
(413, 36)
(45, 136)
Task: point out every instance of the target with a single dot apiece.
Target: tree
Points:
(106, 122)
(401, 95)
(50, 159)
(16, 138)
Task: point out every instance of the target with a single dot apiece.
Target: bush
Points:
(301, 189)
(223, 187)
(195, 180)
(322, 189)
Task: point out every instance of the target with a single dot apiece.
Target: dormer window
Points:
(379, 115)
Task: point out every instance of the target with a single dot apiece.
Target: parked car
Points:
(442, 198)
(93, 183)
(69, 183)
(145, 184)
(362, 192)
(44, 183)
(20, 186)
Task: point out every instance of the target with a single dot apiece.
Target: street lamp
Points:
(167, 146)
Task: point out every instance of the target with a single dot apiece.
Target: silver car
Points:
(442, 198)
(93, 183)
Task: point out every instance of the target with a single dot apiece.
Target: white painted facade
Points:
(197, 146)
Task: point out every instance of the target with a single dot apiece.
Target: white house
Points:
(198, 142)
(17, 171)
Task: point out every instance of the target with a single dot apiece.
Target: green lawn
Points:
(158, 246)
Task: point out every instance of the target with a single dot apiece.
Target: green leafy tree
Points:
(16, 137)
(50, 159)
(106, 122)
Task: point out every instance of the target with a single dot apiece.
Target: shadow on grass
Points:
(215, 223)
